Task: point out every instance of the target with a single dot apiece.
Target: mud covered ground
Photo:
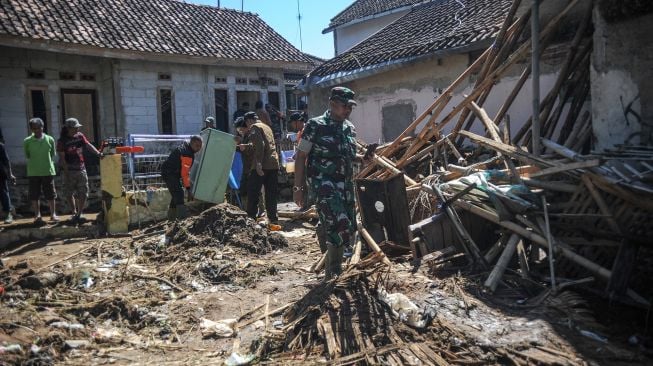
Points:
(145, 300)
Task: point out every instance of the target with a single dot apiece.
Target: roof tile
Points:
(160, 26)
(431, 27)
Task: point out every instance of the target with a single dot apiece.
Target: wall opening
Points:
(38, 106)
(396, 117)
(166, 112)
(221, 114)
(81, 104)
(273, 99)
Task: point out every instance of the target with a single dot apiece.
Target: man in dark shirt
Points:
(244, 108)
(264, 169)
(175, 172)
(6, 176)
(71, 147)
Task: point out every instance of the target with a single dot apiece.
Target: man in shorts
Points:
(70, 146)
(40, 150)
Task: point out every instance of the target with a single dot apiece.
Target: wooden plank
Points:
(622, 267)
(498, 270)
(567, 167)
(603, 207)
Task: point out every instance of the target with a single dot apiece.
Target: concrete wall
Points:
(126, 92)
(193, 89)
(621, 74)
(15, 88)
(350, 35)
(419, 84)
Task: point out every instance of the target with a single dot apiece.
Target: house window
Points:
(38, 105)
(164, 76)
(220, 80)
(273, 99)
(63, 75)
(35, 74)
(242, 81)
(396, 117)
(86, 77)
(166, 112)
(254, 82)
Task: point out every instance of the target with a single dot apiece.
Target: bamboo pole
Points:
(498, 270)
(372, 244)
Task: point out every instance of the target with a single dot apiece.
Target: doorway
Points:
(38, 106)
(221, 114)
(81, 104)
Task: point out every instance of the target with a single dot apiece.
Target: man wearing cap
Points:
(71, 146)
(40, 151)
(175, 172)
(264, 170)
(325, 155)
(209, 122)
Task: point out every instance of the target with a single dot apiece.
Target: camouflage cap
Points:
(342, 94)
(296, 117)
(250, 115)
(209, 119)
(239, 122)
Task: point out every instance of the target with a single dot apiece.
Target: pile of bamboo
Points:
(588, 212)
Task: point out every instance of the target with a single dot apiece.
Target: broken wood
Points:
(372, 244)
(498, 270)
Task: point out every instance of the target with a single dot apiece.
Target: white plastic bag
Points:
(224, 328)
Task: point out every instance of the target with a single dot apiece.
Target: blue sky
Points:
(281, 15)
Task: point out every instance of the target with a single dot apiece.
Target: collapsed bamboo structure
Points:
(597, 204)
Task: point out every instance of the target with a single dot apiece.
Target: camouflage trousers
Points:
(335, 208)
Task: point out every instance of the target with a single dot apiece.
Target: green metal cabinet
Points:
(210, 171)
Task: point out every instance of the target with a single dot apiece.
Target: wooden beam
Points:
(567, 167)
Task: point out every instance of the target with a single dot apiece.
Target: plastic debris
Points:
(406, 310)
(76, 344)
(237, 359)
(594, 336)
(66, 325)
(225, 328)
(12, 348)
(259, 324)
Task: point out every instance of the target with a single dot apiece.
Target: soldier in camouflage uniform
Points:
(325, 155)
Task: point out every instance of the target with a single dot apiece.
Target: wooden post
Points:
(373, 245)
(498, 270)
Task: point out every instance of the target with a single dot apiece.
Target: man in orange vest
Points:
(175, 172)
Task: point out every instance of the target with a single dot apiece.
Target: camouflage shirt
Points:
(332, 153)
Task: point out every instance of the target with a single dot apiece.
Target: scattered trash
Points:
(34, 349)
(12, 348)
(102, 334)
(222, 329)
(594, 336)
(76, 344)
(406, 310)
(66, 325)
(237, 359)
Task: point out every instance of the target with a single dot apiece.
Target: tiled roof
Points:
(364, 8)
(428, 28)
(153, 26)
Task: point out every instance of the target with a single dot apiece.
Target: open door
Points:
(81, 104)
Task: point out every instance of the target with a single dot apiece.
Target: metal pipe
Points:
(535, 55)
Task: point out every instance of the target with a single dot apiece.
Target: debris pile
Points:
(119, 291)
(562, 213)
(354, 321)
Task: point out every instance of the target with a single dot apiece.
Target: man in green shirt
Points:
(40, 150)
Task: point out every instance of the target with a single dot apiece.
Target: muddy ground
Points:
(143, 300)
